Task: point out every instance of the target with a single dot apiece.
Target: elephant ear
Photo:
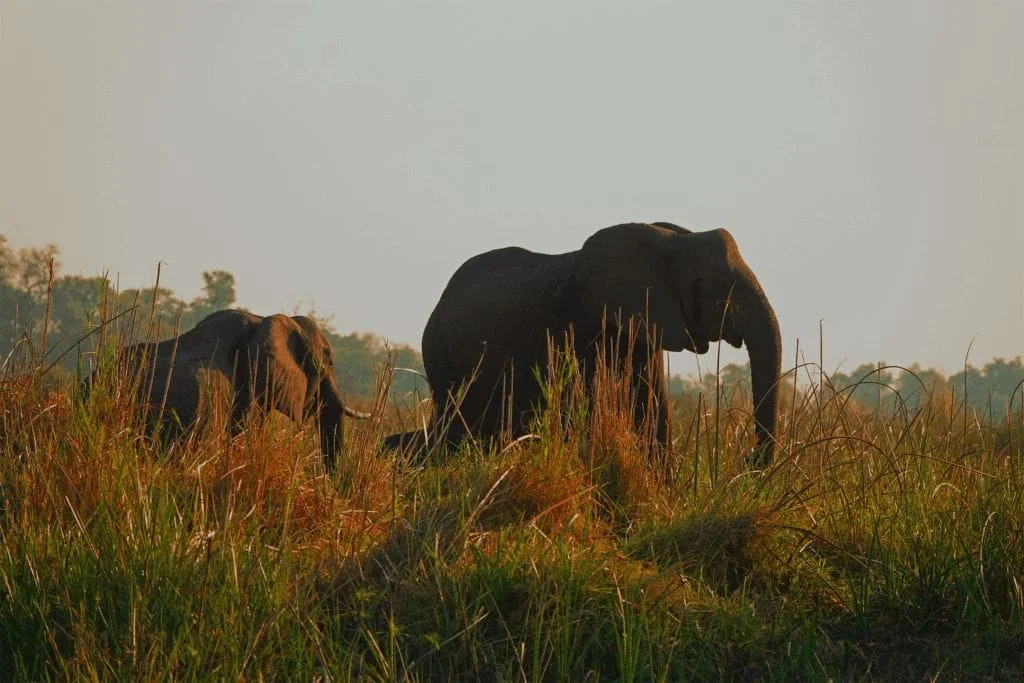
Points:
(275, 355)
(316, 360)
(624, 271)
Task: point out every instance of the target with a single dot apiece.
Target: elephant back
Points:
(179, 372)
(497, 298)
(489, 330)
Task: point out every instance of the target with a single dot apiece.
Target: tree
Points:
(916, 385)
(359, 357)
(24, 277)
(218, 294)
(76, 302)
(34, 270)
(733, 381)
(157, 315)
(76, 305)
(679, 386)
(990, 389)
(219, 287)
(1005, 379)
(867, 384)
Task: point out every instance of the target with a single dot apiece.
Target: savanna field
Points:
(474, 341)
(884, 541)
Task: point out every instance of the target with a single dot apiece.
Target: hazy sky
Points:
(868, 157)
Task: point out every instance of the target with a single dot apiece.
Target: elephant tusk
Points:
(356, 414)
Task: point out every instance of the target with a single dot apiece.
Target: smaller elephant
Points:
(275, 362)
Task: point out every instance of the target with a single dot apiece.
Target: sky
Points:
(347, 157)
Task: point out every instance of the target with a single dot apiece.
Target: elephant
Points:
(273, 362)
(682, 289)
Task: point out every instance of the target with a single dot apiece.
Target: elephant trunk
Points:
(760, 332)
(329, 421)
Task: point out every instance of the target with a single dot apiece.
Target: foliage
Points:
(359, 357)
(884, 543)
(991, 392)
(988, 391)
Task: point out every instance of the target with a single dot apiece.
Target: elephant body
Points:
(485, 345)
(496, 340)
(275, 362)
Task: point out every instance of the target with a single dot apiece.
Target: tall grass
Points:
(881, 543)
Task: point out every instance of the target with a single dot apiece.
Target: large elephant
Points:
(687, 289)
(274, 362)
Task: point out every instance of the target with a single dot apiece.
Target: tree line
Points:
(991, 391)
(40, 306)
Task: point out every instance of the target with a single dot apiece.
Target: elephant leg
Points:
(446, 391)
(501, 407)
(404, 441)
(331, 436)
(241, 402)
(450, 421)
(165, 426)
(663, 428)
(328, 412)
(655, 392)
(649, 395)
(650, 412)
(529, 400)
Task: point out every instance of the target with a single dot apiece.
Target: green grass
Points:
(879, 545)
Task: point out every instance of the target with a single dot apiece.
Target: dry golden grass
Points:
(881, 543)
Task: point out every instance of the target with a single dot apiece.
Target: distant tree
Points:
(917, 384)
(16, 305)
(33, 270)
(868, 384)
(1006, 378)
(732, 378)
(157, 315)
(218, 293)
(359, 357)
(409, 373)
(219, 289)
(7, 259)
(990, 389)
(733, 382)
(732, 374)
(76, 305)
(679, 386)
(969, 385)
(76, 302)
(24, 277)
(837, 381)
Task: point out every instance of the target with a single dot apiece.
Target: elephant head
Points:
(286, 364)
(689, 289)
(271, 363)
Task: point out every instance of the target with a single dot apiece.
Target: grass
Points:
(879, 545)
